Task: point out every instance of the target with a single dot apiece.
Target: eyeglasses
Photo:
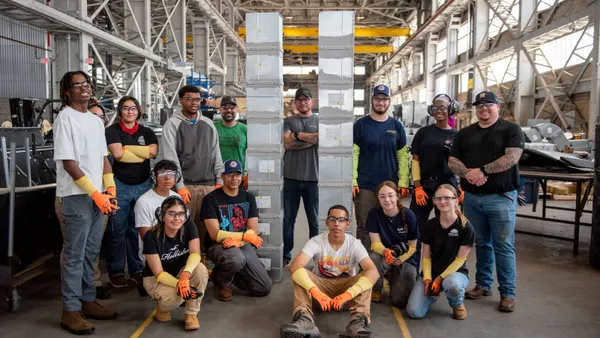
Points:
(381, 99)
(439, 108)
(128, 109)
(192, 99)
(80, 84)
(304, 100)
(382, 196)
(228, 107)
(486, 105)
(167, 173)
(233, 175)
(334, 219)
(180, 214)
(443, 198)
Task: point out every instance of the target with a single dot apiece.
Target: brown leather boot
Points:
(477, 293)
(459, 312)
(506, 304)
(376, 296)
(191, 322)
(161, 315)
(95, 310)
(225, 293)
(74, 322)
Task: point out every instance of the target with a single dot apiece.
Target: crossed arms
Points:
(304, 140)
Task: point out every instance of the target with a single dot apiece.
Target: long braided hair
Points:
(67, 82)
(401, 208)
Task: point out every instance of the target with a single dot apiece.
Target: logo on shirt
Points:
(141, 141)
(401, 230)
(174, 252)
(453, 233)
(234, 217)
(335, 267)
(391, 131)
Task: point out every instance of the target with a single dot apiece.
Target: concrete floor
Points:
(557, 296)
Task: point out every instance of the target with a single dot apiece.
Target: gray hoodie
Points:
(194, 147)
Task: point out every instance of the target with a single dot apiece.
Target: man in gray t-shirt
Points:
(300, 169)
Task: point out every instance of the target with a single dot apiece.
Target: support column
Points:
(201, 31)
(178, 21)
(429, 77)
(594, 110)
(452, 55)
(525, 81)
(416, 64)
(480, 26)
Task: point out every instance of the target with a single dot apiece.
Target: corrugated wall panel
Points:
(22, 73)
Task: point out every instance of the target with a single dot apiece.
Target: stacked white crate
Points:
(336, 111)
(264, 160)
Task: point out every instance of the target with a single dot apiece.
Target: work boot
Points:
(74, 322)
(95, 310)
(162, 316)
(191, 322)
(102, 292)
(224, 293)
(506, 304)
(358, 327)
(118, 282)
(302, 326)
(477, 293)
(459, 312)
(376, 296)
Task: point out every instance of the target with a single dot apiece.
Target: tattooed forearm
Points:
(290, 143)
(457, 167)
(312, 138)
(508, 160)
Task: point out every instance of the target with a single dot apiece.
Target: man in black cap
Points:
(233, 136)
(300, 169)
(486, 155)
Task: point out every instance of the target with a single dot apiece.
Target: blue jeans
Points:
(454, 286)
(122, 238)
(82, 240)
(493, 217)
(292, 191)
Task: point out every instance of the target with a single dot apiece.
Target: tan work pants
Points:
(198, 193)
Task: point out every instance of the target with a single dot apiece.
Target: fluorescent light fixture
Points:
(360, 18)
(289, 17)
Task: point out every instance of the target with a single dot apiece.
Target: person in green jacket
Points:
(233, 139)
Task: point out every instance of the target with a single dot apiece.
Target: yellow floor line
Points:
(401, 323)
(144, 325)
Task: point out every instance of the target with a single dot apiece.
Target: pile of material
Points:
(565, 191)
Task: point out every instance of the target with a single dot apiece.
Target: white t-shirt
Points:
(145, 208)
(330, 263)
(80, 137)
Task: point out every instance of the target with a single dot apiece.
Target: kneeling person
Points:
(231, 219)
(173, 273)
(337, 256)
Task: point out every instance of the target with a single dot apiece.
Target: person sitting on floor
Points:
(173, 272)
(334, 280)
(231, 218)
(394, 233)
(447, 240)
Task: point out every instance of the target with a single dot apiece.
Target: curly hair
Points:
(67, 82)
(401, 208)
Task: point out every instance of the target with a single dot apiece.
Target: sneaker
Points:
(102, 292)
(191, 322)
(95, 310)
(302, 326)
(358, 327)
(118, 282)
(477, 293)
(376, 296)
(459, 312)
(74, 322)
(161, 315)
(224, 293)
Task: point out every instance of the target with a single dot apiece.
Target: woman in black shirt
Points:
(447, 240)
(173, 272)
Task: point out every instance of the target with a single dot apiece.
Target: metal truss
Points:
(505, 84)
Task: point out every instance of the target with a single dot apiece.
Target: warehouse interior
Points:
(540, 58)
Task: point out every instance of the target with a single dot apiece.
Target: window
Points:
(502, 70)
(423, 95)
(359, 70)
(565, 45)
(359, 94)
(463, 38)
(496, 25)
(359, 111)
(440, 51)
(545, 4)
(303, 70)
(463, 83)
(440, 84)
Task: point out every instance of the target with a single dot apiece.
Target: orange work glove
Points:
(183, 286)
(321, 298)
(185, 194)
(421, 197)
(104, 203)
(245, 182)
(461, 196)
(390, 258)
(112, 191)
(427, 283)
(436, 287)
(217, 186)
(338, 302)
(230, 243)
(404, 192)
(355, 191)
(253, 238)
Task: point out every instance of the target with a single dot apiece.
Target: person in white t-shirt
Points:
(82, 168)
(334, 281)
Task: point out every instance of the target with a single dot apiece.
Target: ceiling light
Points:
(289, 17)
(299, 59)
(360, 18)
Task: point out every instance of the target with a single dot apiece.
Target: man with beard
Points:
(486, 156)
(380, 154)
(300, 169)
(233, 140)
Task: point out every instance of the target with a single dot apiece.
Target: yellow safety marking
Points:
(401, 323)
(144, 325)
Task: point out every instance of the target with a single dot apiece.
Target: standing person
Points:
(394, 233)
(82, 168)
(131, 145)
(334, 282)
(233, 135)
(300, 170)
(191, 141)
(447, 241)
(430, 150)
(380, 154)
(231, 219)
(486, 156)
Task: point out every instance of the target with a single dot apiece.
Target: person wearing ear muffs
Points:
(173, 273)
(132, 146)
(430, 149)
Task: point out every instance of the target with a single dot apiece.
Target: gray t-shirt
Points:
(303, 164)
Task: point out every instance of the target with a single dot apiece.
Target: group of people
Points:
(161, 222)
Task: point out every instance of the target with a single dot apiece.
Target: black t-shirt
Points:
(131, 173)
(173, 252)
(232, 212)
(445, 243)
(475, 147)
(391, 229)
(432, 145)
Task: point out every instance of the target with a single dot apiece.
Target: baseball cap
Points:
(228, 100)
(303, 91)
(381, 89)
(232, 166)
(485, 97)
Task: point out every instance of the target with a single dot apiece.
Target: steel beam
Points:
(360, 49)
(367, 32)
(206, 7)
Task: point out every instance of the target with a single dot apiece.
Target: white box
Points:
(264, 67)
(335, 167)
(336, 68)
(336, 103)
(265, 166)
(336, 23)
(265, 133)
(269, 197)
(272, 258)
(264, 102)
(264, 28)
(332, 194)
(336, 132)
(271, 230)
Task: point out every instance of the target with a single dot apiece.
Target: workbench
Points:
(581, 198)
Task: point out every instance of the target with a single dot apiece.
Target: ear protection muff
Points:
(160, 210)
(154, 178)
(452, 108)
